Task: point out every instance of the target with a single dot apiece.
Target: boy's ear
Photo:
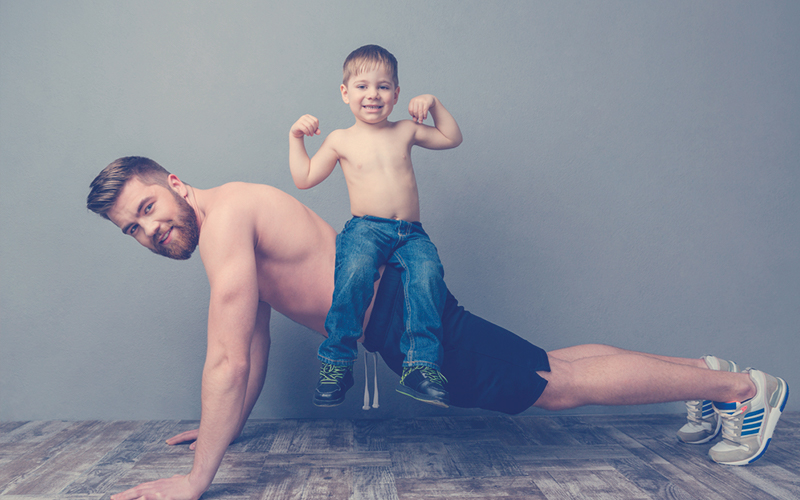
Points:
(396, 94)
(345, 98)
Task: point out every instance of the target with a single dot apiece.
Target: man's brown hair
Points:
(108, 184)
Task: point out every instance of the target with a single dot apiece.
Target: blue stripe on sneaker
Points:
(725, 406)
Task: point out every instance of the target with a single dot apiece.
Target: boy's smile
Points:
(371, 94)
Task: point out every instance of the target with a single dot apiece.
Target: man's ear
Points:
(177, 185)
(345, 97)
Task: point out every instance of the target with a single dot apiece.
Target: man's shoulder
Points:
(240, 203)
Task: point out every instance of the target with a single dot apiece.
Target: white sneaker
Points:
(747, 427)
(702, 424)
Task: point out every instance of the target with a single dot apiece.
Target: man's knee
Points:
(557, 394)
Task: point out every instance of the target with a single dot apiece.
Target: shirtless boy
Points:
(375, 155)
(263, 249)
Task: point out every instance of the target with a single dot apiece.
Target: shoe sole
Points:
(327, 403)
(772, 421)
(419, 397)
(707, 438)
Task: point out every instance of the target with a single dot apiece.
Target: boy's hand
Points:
(419, 106)
(306, 125)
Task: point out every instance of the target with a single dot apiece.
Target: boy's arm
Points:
(445, 134)
(308, 172)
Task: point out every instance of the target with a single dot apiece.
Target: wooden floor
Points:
(484, 457)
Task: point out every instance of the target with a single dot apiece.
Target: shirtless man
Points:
(264, 250)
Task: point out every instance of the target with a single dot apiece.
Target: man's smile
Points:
(164, 238)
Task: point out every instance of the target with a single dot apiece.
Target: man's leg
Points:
(752, 401)
(591, 350)
(604, 375)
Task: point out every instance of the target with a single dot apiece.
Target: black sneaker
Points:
(424, 384)
(334, 380)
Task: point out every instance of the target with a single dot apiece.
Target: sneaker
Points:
(334, 381)
(747, 426)
(702, 424)
(425, 384)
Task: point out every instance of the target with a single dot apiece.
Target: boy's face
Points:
(371, 94)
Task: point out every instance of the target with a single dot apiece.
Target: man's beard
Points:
(185, 239)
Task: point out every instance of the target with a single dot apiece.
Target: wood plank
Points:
(342, 459)
(483, 459)
(422, 460)
(507, 488)
(524, 454)
(148, 436)
(309, 436)
(374, 483)
(587, 484)
(63, 458)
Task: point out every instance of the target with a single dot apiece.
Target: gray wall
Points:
(629, 175)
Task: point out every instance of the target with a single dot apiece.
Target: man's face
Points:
(158, 218)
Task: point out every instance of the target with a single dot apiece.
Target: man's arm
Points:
(308, 172)
(227, 250)
(445, 134)
(259, 357)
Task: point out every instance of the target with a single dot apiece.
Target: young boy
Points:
(375, 155)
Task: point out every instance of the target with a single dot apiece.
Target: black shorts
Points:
(486, 366)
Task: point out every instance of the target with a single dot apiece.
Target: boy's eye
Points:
(148, 208)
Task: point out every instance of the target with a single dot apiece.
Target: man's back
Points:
(294, 248)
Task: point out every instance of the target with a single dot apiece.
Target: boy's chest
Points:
(376, 153)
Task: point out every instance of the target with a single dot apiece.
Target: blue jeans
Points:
(365, 244)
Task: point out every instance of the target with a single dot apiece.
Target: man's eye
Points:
(133, 229)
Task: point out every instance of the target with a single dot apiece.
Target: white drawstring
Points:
(366, 381)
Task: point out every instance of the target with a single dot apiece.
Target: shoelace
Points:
(429, 373)
(332, 374)
(731, 422)
(695, 411)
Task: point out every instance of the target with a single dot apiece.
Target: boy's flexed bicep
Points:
(445, 133)
(308, 172)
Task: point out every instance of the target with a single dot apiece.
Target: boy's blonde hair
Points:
(367, 57)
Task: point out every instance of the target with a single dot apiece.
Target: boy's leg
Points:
(424, 290)
(358, 256)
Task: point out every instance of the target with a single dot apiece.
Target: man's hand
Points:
(185, 437)
(306, 125)
(174, 488)
(419, 106)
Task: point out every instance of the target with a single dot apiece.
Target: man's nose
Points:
(150, 228)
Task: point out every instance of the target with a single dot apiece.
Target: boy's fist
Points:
(306, 125)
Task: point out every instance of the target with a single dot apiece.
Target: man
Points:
(262, 250)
